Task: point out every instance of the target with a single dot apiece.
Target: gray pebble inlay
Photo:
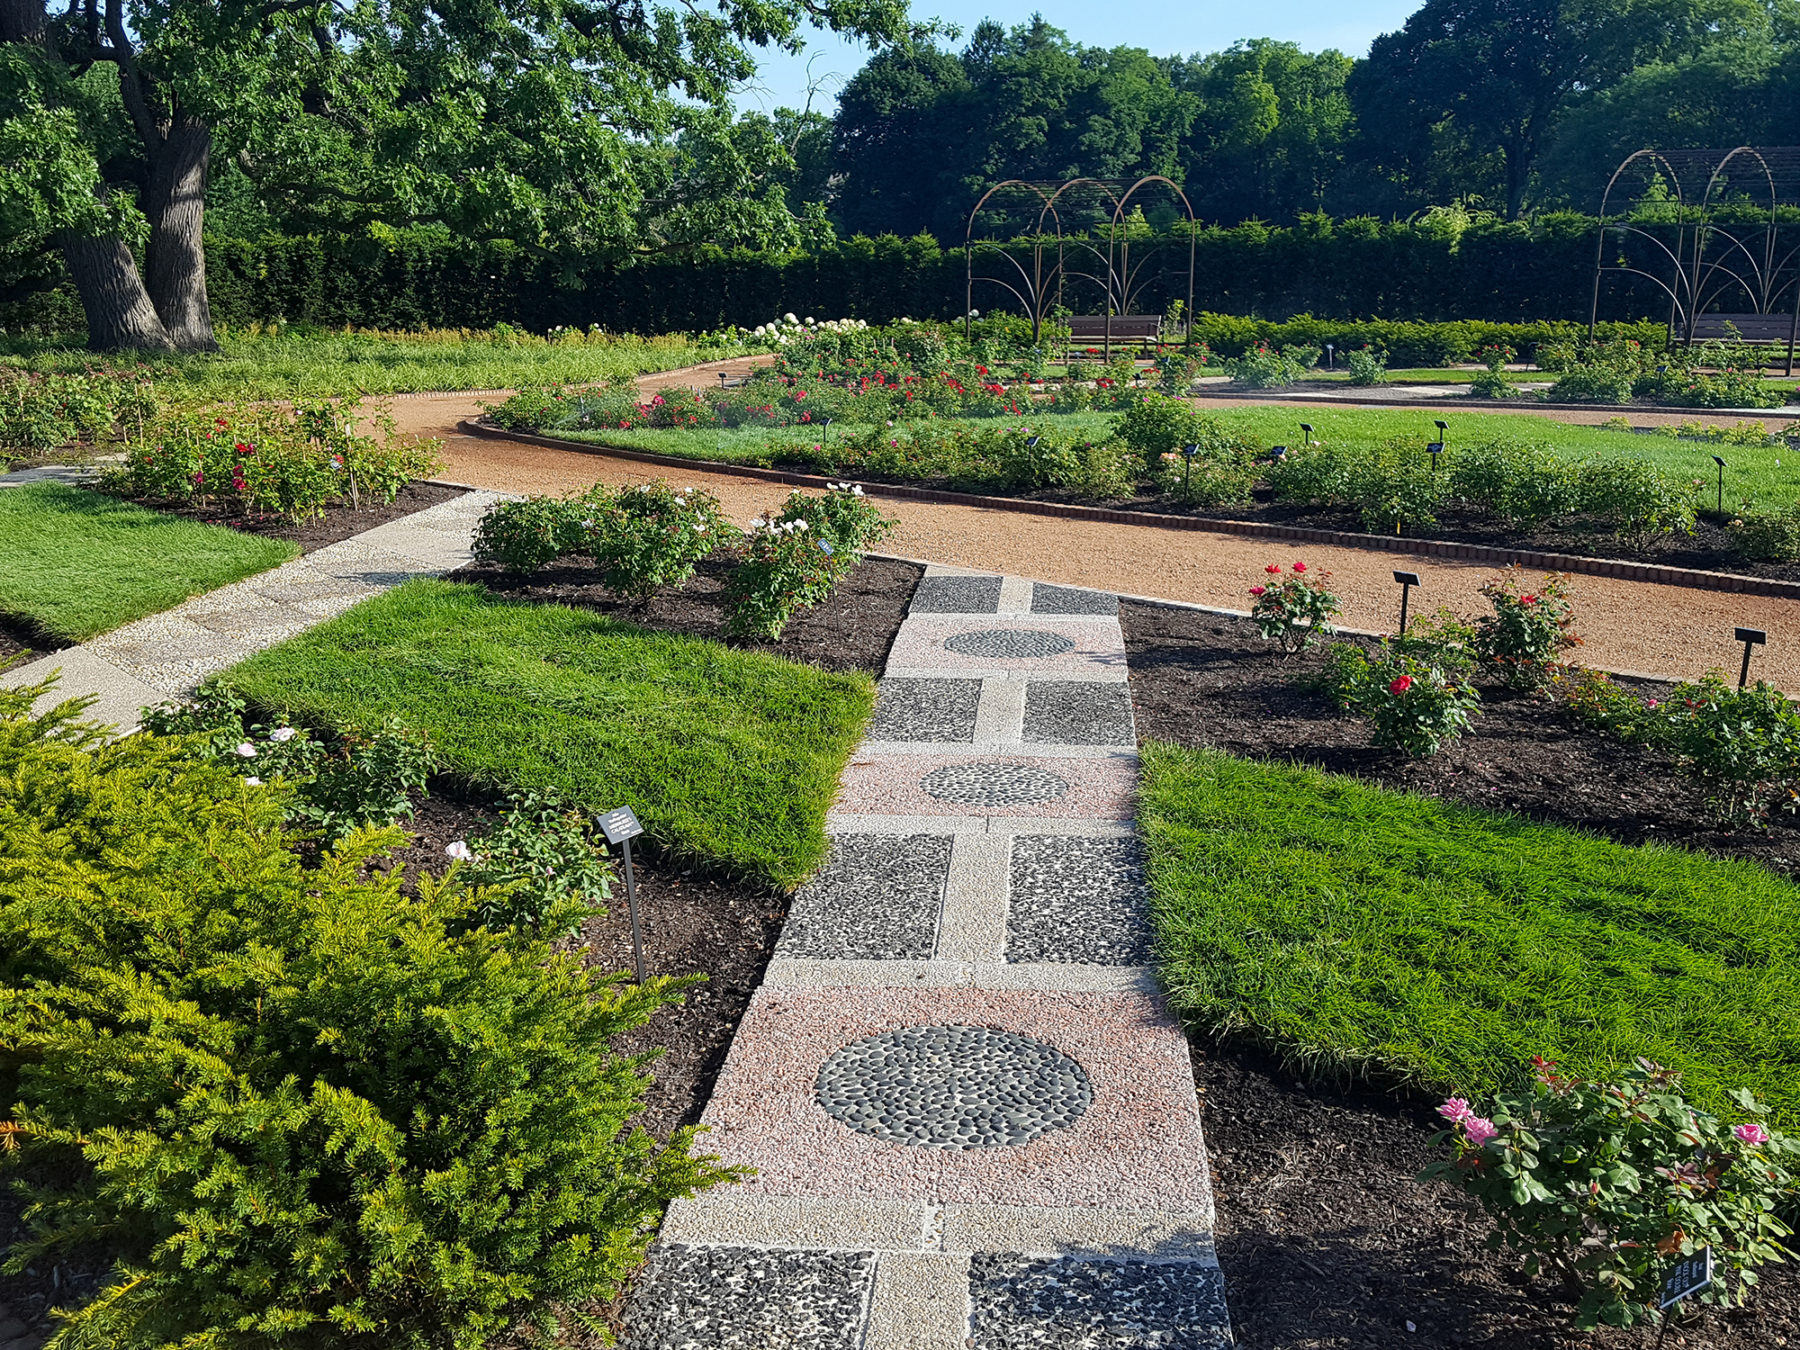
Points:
(953, 1087)
(1066, 1303)
(993, 784)
(1078, 900)
(1009, 642)
(1047, 599)
(748, 1298)
(956, 595)
(877, 899)
(1072, 712)
(925, 710)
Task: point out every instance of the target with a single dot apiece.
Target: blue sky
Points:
(1164, 27)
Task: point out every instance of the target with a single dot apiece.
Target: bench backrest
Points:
(1750, 327)
(1127, 326)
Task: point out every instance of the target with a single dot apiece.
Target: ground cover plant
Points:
(731, 756)
(41, 414)
(283, 1097)
(1352, 929)
(75, 564)
(291, 361)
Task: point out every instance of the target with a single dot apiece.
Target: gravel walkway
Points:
(167, 655)
(972, 1121)
(1669, 631)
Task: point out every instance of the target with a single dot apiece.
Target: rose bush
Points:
(1295, 607)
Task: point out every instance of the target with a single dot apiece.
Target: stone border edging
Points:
(1693, 578)
(1471, 404)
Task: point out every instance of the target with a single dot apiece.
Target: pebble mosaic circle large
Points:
(957, 1087)
(993, 784)
(1008, 642)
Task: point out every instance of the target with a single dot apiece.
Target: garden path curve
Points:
(973, 1121)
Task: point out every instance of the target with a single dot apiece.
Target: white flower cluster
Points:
(787, 328)
(777, 526)
(854, 489)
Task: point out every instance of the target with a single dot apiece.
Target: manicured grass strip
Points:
(1352, 929)
(75, 564)
(726, 755)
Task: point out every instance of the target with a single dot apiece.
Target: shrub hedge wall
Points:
(1419, 271)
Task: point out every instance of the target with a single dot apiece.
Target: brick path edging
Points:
(1691, 577)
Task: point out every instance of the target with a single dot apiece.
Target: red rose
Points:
(1299, 567)
(1259, 590)
(1400, 685)
(1272, 569)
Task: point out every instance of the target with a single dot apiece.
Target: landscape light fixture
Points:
(1436, 448)
(721, 379)
(1750, 637)
(1721, 463)
(1328, 350)
(1031, 442)
(1278, 453)
(1407, 581)
(620, 826)
(1307, 428)
(1187, 465)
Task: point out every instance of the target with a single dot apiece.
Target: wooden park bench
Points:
(1757, 330)
(1126, 330)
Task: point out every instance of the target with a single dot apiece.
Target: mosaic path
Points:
(169, 654)
(973, 1122)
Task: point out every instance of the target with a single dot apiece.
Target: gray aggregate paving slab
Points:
(1048, 599)
(1070, 712)
(1070, 1303)
(749, 1298)
(1076, 899)
(956, 595)
(920, 1302)
(1008, 643)
(925, 710)
(993, 784)
(877, 897)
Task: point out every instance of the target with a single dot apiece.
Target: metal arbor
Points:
(1039, 288)
(1724, 209)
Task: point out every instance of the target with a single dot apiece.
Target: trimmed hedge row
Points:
(1414, 271)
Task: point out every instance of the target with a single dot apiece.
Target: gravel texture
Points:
(1009, 643)
(877, 898)
(748, 1298)
(1137, 1146)
(954, 1087)
(1080, 900)
(1078, 712)
(957, 595)
(1071, 1304)
(1048, 599)
(925, 710)
(1100, 786)
(993, 784)
(1629, 625)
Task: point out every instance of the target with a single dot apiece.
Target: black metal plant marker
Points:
(1721, 503)
(620, 826)
(1436, 448)
(1688, 1276)
(1187, 464)
(1407, 581)
(1750, 637)
(1307, 428)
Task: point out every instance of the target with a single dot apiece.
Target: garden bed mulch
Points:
(1328, 1243)
(337, 524)
(851, 631)
(1208, 679)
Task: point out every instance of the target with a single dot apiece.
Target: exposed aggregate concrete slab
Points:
(1096, 646)
(1102, 787)
(925, 710)
(940, 594)
(749, 1298)
(877, 897)
(1073, 1304)
(1072, 899)
(1067, 712)
(1048, 599)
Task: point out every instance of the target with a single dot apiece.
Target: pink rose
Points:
(1456, 1110)
(1751, 1134)
(1479, 1130)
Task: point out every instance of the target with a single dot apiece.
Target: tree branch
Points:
(131, 88)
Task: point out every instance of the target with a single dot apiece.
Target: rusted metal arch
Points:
(1116, 285)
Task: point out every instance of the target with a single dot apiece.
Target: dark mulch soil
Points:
(693, 925)
(851, 631)
(1207, 679)
(336, 525)
(1328, 1243)
(19, 643)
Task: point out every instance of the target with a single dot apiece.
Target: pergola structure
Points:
(1112, 265)
(1706, 228)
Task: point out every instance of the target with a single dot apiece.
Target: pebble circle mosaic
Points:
(993, 784)
(953, 1087)
(1008, 642)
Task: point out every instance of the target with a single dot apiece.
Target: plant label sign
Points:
(620, 825)
(1690, 1275)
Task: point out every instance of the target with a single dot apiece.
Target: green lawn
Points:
(1352, 929)
(311, 363)
(75, 564)
(725, 755)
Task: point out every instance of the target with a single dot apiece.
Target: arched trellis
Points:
(1039, 288)
(1712, 259)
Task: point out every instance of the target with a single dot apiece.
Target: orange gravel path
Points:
(1628, 626)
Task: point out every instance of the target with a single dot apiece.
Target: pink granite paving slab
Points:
(1137, 1145)
(1099, 787)
(1099, 645)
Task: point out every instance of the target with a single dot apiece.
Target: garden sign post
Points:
(1690, 1275)
(1750, 637)
(1407, 581)
(620, 827)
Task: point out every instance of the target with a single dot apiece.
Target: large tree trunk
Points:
(120, 316)
(175, 263)
(22, 21)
